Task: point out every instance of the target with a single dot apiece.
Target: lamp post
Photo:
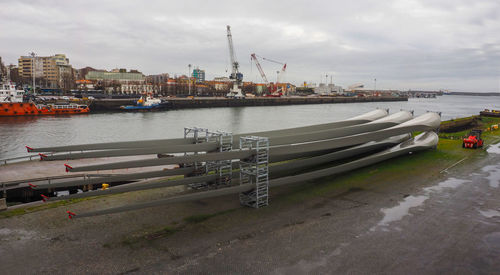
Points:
(33, 55)
(189, 78)
(375, 80)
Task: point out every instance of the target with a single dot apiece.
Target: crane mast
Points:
(236, 76)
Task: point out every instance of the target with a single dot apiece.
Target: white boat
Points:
(9, 93)
(146, 103)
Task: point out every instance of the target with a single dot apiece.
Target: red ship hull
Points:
(30, 109)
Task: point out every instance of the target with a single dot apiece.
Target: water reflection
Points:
(15, 132)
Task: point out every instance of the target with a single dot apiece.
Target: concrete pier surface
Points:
(35, 169)
(212, 102)
(434, 219)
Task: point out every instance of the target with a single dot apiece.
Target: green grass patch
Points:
(50, 205)
(402, 168)
(458, 119)
(484, 123)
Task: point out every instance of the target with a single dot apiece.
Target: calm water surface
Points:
(16, 132)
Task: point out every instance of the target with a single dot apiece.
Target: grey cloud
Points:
(411, 44)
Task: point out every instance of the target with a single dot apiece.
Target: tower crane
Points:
(236, 76)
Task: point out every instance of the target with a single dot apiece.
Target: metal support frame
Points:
(199, 135)
(222, 168)
(255, 170)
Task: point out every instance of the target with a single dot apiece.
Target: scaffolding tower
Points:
(255, 170)
(199, 135)
(221, 168)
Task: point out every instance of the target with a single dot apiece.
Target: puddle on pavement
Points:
(401, 210)
(493, 175)
(494, 149)
(398, 212)
(490, 213)
(449, 183)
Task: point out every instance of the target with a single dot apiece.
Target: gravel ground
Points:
(437, 223)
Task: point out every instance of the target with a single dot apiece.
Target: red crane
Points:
(263, 75)
(254, 58)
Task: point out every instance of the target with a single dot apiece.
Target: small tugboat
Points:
(146, 103)
(12, 104)
(491, 113)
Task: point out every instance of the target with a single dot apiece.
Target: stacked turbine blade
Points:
(349, 144)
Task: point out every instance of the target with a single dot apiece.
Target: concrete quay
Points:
(213, 102)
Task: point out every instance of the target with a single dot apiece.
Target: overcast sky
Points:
(426, 44)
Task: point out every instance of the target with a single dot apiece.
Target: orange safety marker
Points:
(68, 167)
(44, 198)
(42, 156)
(70, 214)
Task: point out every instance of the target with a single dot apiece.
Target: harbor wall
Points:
(186, 103)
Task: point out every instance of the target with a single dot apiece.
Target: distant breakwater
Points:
(201, 102)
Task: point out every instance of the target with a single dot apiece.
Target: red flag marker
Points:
(42, 156)
(29, 149)
(70, 214)
(44, 198)
(32, 185)
(68, 167)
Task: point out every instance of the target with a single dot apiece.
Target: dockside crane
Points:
(263, 75)
(283, 69)
(236, 77)
(261, 71)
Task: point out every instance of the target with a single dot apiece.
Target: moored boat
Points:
(492, 113)
(11, 104)
(31, 109)
(145, 103)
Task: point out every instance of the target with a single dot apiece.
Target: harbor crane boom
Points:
(236, 76)
(261, 71)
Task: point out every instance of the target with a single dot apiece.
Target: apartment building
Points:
(49, 71)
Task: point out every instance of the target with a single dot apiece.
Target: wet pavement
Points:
(452, 226)
(449, 226)
(449, 223)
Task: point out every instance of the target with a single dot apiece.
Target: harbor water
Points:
(16, 132)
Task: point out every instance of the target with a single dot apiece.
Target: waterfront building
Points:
(120, 76)
(131, 82)
(157, 78)
(81, 73)
(330, 89)
(84, 84)
(127, 88)
(222, 83)
(199, 75)
(49, 71)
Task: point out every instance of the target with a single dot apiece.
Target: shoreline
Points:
(102, 105)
